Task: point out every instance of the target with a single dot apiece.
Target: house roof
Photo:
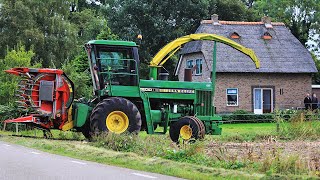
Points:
(283, 53)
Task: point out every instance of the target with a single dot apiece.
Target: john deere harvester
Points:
(123, 102)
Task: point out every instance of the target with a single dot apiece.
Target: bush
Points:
(116, 142)
(8, 112)
(286, 114)
(78, 72)
(245, 116)
(277, 162)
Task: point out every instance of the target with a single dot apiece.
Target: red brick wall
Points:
(316, 91)
(294, 88)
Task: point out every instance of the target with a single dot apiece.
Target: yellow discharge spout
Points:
(175, 45)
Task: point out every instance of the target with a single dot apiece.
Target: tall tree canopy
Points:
(160, 22)
(41, 24)
(54, 29)
(302, 17)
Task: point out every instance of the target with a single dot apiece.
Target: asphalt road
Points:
(17, 162)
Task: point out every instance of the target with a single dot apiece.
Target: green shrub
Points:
(8, 112)
(116, 142)
(245, 116)
(281, 163)
(301, 126)
(287, 114)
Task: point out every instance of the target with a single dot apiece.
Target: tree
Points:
(56, 30)
(42, 25)
(233, 10)
(316, 76)
(79, 73)
(17, 57)
(302, 17)
(160, 22)
(89, 25)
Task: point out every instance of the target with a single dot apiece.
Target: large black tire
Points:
(189, 121)
(103, 109)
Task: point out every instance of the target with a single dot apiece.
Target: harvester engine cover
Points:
(45, 93)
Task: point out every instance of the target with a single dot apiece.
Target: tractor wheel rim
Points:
(186, 132)
(117, 122)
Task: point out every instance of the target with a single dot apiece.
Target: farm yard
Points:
(206, 89)
(246, 150)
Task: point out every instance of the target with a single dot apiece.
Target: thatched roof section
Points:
(283, 53)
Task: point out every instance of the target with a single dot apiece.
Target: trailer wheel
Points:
(185, 129)
(116, 115)
(202, 130)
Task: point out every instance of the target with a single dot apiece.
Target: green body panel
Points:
(210, 118)
(175, 84)
(153, 73)
(81, 112)
(157, 89)
(124, 91)
(156, 116)
(213, 73)
(169, 95)
(147, 110)
(204, 104)
(113, 43)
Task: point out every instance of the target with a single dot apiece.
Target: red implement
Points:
(48, 93)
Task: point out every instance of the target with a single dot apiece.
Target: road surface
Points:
(17, 162)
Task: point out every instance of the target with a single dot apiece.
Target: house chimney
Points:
(267, 22)
(215, 19)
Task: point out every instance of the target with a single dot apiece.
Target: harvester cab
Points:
(112, 63)
(123, 102)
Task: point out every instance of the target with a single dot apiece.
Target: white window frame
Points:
(198, 68)
(237, 104)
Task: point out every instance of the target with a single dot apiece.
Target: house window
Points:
(198, 66)
(232, 97)
(189, 64)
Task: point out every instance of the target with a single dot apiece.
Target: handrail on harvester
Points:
(175, 45)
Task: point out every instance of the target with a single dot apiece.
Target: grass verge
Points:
(84, 151)
(243, 151)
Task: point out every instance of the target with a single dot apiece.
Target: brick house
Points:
(282, 81)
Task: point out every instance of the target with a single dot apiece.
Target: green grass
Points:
(254, 128)
(245, 132)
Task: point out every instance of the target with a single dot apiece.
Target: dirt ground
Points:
(306, 152)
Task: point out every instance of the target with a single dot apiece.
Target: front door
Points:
(267, 101)
(262, 100)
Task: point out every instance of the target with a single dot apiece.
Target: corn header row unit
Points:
(122, 101)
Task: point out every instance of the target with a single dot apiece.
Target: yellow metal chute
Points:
(175, 45)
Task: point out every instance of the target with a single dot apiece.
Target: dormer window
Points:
(234, 35)
(267, 36)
